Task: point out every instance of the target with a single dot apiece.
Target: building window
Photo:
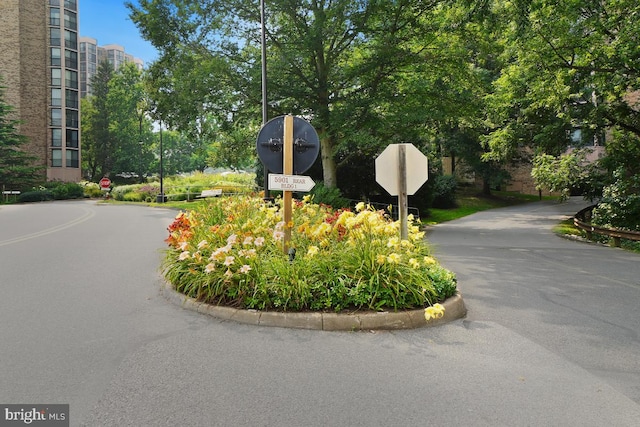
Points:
(56, 137)
(54, 16)
(71, 79)
(54, 39)
(56, 77)
(54, 2)
(56, 53)
(71, 118)
(56, 117)
(56, 158)
(70, 39)
(56, 97)
(71, 98)
(72, 138)
(72, 158)
(70, 59)
(70, 4)
(70, 20)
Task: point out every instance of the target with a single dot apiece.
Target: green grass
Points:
(471, 201)
(566, 227)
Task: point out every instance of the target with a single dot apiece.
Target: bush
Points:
(133, 197)
(329, 196)
(444, 192)
(620, 204)
(92, 189)
(65, 190)
(35, 196)
(229, 251)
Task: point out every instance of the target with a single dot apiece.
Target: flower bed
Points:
(229, 251)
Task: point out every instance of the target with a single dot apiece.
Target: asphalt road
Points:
(550, 339)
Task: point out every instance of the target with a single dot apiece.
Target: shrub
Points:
(119, 191)
(66, 190)
(329, 196)
(444, 191)
(35, 196)
(133, 197)
(229, 251)
(620, 204)
(91, 189)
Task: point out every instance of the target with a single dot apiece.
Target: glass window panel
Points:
(70, 39)
(54, 16)
(54, 36)
(72, 138)
(56, 77)
(70, 59)
(71, 118)
(56, 53)
(54, 2)
(72, 158)
(56, 137)
(70, 20)
(56, 158)
(70, 4)
(71, 79)
(56, 117)
(56, 97)
(71, 98)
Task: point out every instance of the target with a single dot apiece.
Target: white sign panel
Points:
(290, 182)
(388, 174)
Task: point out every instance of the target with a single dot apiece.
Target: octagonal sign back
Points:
(388, 165)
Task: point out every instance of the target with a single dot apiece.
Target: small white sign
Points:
(290, 182)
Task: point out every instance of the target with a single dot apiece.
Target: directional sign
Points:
(297, 183)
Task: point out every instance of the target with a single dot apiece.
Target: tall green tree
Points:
(116, 126)
(17, 169)
(339, 63)
(572, 65)
(98, 147)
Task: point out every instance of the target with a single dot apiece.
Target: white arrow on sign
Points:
(290, 182)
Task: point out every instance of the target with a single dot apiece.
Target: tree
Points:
(97, 144)
(16, 166)
(339, 63)
(117, 135)
(571, 65)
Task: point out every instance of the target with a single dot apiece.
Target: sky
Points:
(108, 22)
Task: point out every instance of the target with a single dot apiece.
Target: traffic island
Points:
(454, 308)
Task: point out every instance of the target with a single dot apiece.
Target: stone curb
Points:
(410, 319)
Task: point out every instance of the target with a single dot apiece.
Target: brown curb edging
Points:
(409, 319)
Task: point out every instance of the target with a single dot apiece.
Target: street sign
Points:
(401, 169)
(270, 143)
(388, 169)
(298, 183)
(105, 183)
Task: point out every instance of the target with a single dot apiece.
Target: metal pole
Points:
(263, 41)
(161, 197)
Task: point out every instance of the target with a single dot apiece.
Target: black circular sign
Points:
(306, 145)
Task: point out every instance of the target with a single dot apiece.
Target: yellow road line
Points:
(88, 213)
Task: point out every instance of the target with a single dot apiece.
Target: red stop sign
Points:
(105, 183)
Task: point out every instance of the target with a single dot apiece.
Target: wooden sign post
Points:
(287, 169)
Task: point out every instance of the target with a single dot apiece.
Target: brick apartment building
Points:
(39, 68)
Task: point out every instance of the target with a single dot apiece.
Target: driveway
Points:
(550, 338)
